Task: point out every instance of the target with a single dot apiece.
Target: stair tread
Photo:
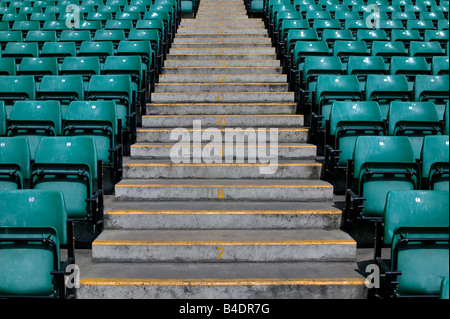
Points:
(225, 182)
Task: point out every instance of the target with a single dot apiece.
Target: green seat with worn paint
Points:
(15, 163)
(435, 162)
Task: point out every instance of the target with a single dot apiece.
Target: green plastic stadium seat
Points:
(385, 89)
(55, 25)
(116, 88)
(98, 119)
(38, 67)
(34, 229)
(433, 88)
(410, 67)
(331, 36)
(70, 165)
(59, 50)
(435, 162)
(40, 37)
(34, 119)
(101, 49)
(414, 120)
(114, 36)
(99, 16)
(20, 50)
(315, 66)
(16, 88)
(345, 49)
(418, 243)
(143, 50)
(406, 36)
(76, 36)
(133, 16)
(440, 36)
(42, 17)
(369, 36)
(125, 25)
(331, 88)
(84, 66)
(380, 164)
(440, 65)
(62, 88)
(91, 26)
(303, 49)
(15, 163)
(362, 66)
(348, 120)
(420, 25)
(389, 49)
(10, 36)
(426, 49)
(7, 66)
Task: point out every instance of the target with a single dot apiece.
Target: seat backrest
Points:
(417, 208)
(2, 118)
(381, 149)
(344, 113)
(32, 208)
(404, 115)
(67, 151)
(92, 111)
(38, 67)
(15, 152)
(110, 85)
(435, 150)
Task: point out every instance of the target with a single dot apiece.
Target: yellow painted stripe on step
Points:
(227, 212)
(233, 93)
(223, 282)
(188, 145)
(220, 243)
(221, 130)
(215, 164)
(222, 186)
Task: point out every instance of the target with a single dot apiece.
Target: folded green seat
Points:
(416, 229)
(33, 230)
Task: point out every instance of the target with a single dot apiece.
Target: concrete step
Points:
(257, 120)
(223, 87)
(221, 97)
(223, 51)
(228, 245)
(224, 21)
(222, 57)
(218, 215)
(250, 135)
(224, 78)
(219, 25)
(220, 44)
(152, 169)
(179, 41)
(221, 108)
(222, 14)
(255, 280)
(224, 190)
(162, 150)
(240, 70)
(222, 63)
(216, 33)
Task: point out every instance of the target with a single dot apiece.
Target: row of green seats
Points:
(67, 164)
(98, 119)
(415, 120)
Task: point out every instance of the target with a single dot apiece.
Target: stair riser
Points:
(231, 253)
(238, 97)
(220, 109)
(214, 33)
(289, 136)
(220, 63)
(221, 57)
(217, 171)
(283, 153)
(219, 87)
(223, 51)
(177, 41)
(216, 44)
(216, 192)
(218, 25)
(239, 71)
(222, 221)
(244, 292)
(220, 121)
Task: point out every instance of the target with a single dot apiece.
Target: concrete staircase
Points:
(186, 227)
